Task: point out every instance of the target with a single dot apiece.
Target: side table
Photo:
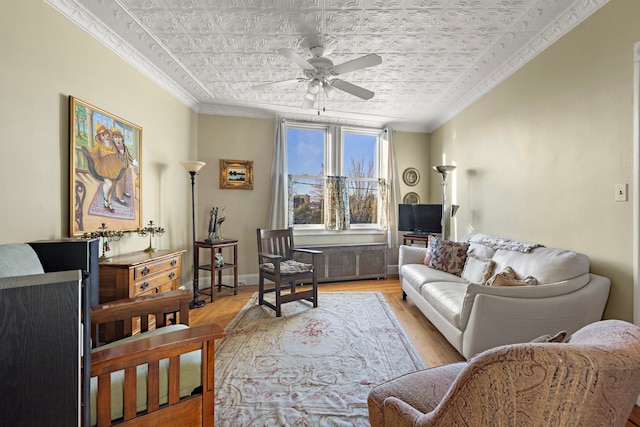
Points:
(214, 248)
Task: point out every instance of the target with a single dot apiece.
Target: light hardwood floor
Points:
(430, 344)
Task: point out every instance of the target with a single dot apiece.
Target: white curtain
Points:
(336, 209)
(277, 213)
(393, 189)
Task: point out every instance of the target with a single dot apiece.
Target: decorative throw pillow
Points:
(507, 277)
(477, 270)
(559, 337)
(448, 256)
(427, 257)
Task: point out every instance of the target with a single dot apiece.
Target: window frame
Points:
(334, 165)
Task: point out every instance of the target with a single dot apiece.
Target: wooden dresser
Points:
(140, 273)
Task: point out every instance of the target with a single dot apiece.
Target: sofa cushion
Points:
(447, 298)
(477, 270)
(547, 265)
(19, 259)
(476, 248)
(448, 256)
(417, 275)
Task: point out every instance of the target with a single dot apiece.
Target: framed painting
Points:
(236, 174)
(105, 170)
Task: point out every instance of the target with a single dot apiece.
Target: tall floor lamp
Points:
(444, 170)
(193, 166)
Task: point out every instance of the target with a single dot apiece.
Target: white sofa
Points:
(475, 317)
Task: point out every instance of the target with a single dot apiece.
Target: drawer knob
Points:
(145, 271)
(173, 262)
(172, 275)
(144, 285)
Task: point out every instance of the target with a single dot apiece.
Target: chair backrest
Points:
(119, 319)
(275, 242)
(594, 379)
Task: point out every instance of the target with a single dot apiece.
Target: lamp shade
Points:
(444, 170)
(192, 165)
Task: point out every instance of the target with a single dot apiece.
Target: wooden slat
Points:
(104, 400)
(174, 380)
(130, 389)
(153, 386)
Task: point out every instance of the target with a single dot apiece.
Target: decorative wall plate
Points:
(411, 176)
(411, 198)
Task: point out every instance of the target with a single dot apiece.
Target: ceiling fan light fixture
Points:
(328, 89)
(314, 86)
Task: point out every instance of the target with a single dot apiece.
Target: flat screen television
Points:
(420, 218)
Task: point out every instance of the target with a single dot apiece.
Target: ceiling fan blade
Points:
(279, 83)
(309, 101)
(296, 58)
(354, 90)
(357, 64)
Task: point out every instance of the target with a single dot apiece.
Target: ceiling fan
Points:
(320, 72)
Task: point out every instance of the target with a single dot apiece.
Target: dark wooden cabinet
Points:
(76, 254)
(40, 354)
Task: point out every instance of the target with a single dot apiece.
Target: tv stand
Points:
(418, 237)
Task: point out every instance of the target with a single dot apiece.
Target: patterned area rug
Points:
(310, 367)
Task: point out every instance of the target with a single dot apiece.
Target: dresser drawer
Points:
(150, 268)
(140, 273)
(147, 283)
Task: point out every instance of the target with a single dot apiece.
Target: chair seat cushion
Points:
(287, 267)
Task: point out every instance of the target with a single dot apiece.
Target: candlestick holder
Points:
(151, 230)
(105, 237)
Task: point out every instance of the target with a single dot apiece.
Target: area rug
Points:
(312, 366)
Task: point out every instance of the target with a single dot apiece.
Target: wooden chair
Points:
(136, 365)
(276, 263)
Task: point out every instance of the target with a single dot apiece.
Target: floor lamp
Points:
(193, 166)
(444, 170)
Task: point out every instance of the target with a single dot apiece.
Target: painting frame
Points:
(105, 171)
(236, 174)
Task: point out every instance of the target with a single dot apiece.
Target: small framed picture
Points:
(236, 174)
(411, 176)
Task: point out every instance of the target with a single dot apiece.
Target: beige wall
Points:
(235, 138)
(539, 156)
(46, 58)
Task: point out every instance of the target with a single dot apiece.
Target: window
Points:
(316, 156)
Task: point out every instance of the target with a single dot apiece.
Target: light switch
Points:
(621, 192)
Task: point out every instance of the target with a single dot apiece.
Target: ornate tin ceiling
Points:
(438, 56)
